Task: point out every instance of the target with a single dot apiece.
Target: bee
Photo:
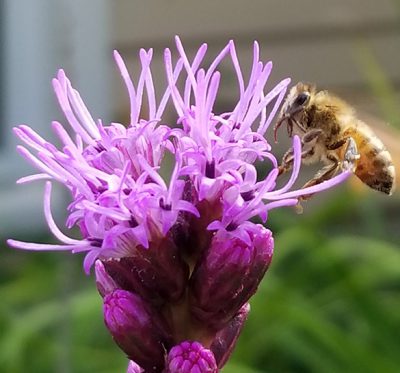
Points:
(332, 134)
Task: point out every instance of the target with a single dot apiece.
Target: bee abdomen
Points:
(375, 168)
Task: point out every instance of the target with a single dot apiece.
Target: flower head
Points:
(184, 243)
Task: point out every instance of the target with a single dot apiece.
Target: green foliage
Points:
(379, 84)
(328, 303)
(51, 318)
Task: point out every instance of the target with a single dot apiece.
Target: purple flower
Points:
(179, 248)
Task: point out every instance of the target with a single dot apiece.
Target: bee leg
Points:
(287, 162)
(307, 143)
(325, 174)
(338, 144)
(288, 159)
(310, 138)
(350, 155)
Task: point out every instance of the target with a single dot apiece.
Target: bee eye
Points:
(301, 99)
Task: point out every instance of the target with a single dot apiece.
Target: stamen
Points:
(95, 242)
(210, 169)
(231, 226)
(165, 206)
(247, 196)
(133, 223)
(99, 147)
(127, 191)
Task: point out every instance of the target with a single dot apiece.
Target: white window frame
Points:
(40, 36)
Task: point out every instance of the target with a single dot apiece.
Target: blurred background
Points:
(330, 301)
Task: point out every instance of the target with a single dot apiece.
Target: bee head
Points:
(298, 98)
(294, 106)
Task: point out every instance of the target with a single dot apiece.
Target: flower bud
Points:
(190, 357)
(158, 274)
(105, 284)
(137, 329)
(225, 340)
(228, 274)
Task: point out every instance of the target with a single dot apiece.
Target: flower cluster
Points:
(176, 257)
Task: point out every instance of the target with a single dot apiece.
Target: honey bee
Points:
(330, 132)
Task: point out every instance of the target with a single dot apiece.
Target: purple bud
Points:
(105, 284)
(225, 340)
(228, 275)
(191, 357)
(137, 329)
(158, 274)
(134, 368)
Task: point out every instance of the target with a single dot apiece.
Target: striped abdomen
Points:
(375, 167)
